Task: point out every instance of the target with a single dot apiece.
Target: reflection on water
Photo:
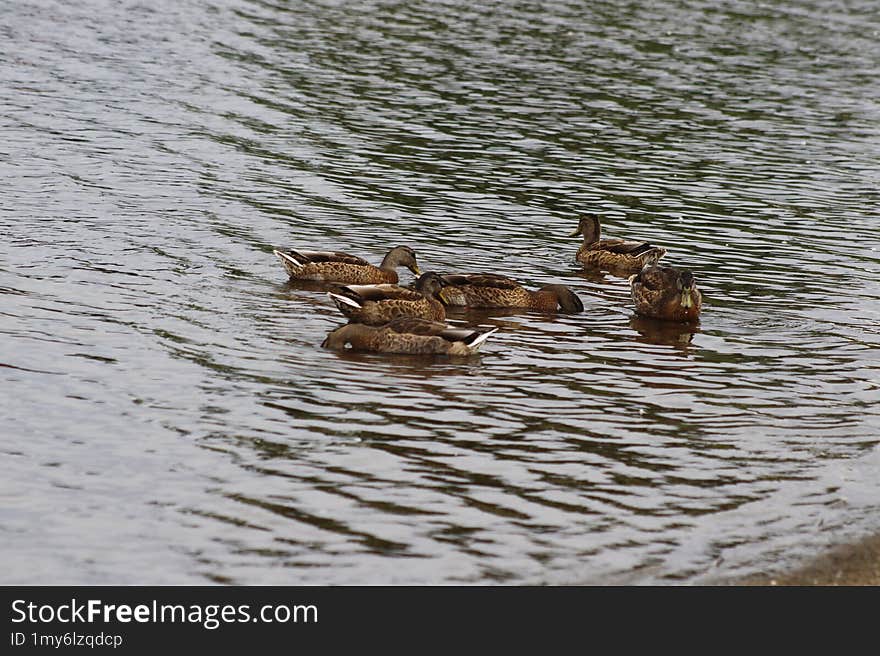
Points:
(170, 416)
(655, 331)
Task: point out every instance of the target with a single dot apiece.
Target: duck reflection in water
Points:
(485, 316)
(418, 369)
(667, 333)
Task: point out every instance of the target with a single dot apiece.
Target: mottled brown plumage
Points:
(408, 335)
(378, 304)
(615, 255)
(664, 292)
(330, 266)
(489, 290)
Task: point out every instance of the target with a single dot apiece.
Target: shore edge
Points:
(851, 564)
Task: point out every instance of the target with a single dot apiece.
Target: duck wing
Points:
(423, 327)
(316, 257)
(621, 246)
(364, 293)
(415, 326)
(481, 280)
(656, 277)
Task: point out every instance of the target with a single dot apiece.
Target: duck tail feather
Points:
(344, 303)
(477, 341)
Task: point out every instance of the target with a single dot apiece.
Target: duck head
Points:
(401, 256)
(588, 226)
(431, 285)
(686, 286)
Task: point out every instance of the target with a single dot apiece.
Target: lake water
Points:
(168, 415)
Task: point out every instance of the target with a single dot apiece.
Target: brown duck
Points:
(376, 305)
(489, 290)
(408, 335)
(328, 266)
(664, 292)
(612, 254)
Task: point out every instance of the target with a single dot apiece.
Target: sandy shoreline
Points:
(856, 563)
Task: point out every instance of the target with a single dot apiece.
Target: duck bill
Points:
(442, 296)
(415, 270)
(687, 299)
(576, 232)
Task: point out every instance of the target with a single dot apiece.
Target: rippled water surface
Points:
(168, 415)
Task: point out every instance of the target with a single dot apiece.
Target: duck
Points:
(335, 267)
(376, 305)
(408, 335)
(612, 254)
(664, 292)
(490, 290)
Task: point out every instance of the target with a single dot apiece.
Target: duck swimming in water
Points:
(408, 335)
(612, 254)
(376, 305)
(664, 292)
(489, 290)
(331, 266)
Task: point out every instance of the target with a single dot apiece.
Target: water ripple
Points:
(168, 387)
